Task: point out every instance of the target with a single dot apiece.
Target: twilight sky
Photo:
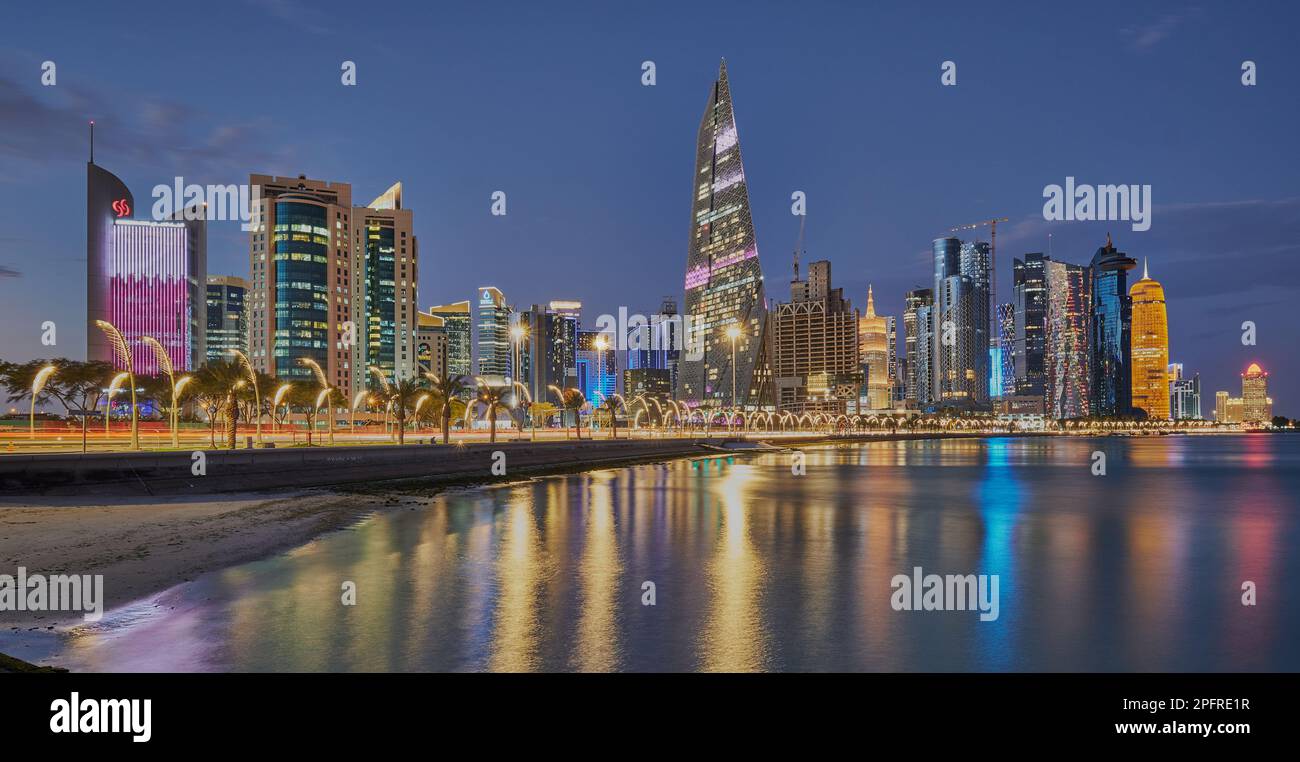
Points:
(839, 100)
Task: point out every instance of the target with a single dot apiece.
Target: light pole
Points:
(352, 419)
(733, 333)
(275, 405)
(324, 382)
(38, 384)
(320, 398)
(119, 343)
(113, 387)
(415, 414)
(176, 415)
(257, 395)
(165, 365)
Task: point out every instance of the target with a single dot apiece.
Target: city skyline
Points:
(872, 238)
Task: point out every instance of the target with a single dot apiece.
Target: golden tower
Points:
(1150, 347)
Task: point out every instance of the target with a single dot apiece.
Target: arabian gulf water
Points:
(1148, 567)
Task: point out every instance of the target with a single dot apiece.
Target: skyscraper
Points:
(724, 282)
(815, 346)
(1006, 357)
(306, 297)
(227, 322)
(1184, 394)
(976, 265)
(430, 344)
(597, 366)
(918, 330)
(457, 324)
(385, 251)
(1030, 300)
(1256, 407)
(1150, 348)
(146, 277)
(494, 341)
(1111, 326)
(549, 351)
(961, 273)
(873, 343)
(1066, 339)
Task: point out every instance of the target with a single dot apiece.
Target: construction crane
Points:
(993, 269)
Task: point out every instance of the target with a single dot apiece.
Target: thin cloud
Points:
(9, 272)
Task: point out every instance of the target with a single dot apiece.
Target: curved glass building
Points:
(1112, 324)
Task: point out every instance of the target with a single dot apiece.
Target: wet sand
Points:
(143, 546)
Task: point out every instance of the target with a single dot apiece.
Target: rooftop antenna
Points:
(798, 245)
(92, 141)
(1049, 245)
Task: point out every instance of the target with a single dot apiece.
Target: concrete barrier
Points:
(158, 473)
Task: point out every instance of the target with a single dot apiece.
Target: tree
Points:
(304, 398)
(543, 411)
(219, 382)
(446, 389)
(78, 386)
(495, 397)
(574, 401)
(612, 412)
(403, 394)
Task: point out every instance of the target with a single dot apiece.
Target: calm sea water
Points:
(757, 569)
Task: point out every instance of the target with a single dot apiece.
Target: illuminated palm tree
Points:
(403, 396)
(447, 388)
(495, 398)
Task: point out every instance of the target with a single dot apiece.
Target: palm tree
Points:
(495, 397)
(219, 381)
(613, 414)
(573, 400)
(403, 395)
(447, 388)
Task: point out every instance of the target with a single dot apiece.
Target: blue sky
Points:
(839, 100)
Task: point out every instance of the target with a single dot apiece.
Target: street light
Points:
(257, 395)
(733, 333)
(275, 404)
(165, 365)
(118, 341)
(352, 420)
(324, 382)
(415, 414)
(113, 387)
(38, 384)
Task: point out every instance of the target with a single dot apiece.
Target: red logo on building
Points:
(121, 207)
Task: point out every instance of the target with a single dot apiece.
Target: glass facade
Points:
(1030, 300)
(916, 344)
(381, 301)
(724, 283)
(494, 341)
(1066, 344)
(300, 256)
(227, 327)
(1112, 324)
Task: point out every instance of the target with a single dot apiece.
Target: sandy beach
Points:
(143, 546)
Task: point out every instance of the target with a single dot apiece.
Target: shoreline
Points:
(145, 545)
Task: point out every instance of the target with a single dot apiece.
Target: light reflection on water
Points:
(756, 569)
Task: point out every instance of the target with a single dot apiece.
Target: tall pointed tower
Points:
(1150, 347)
(873, 346)
(725, 299)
